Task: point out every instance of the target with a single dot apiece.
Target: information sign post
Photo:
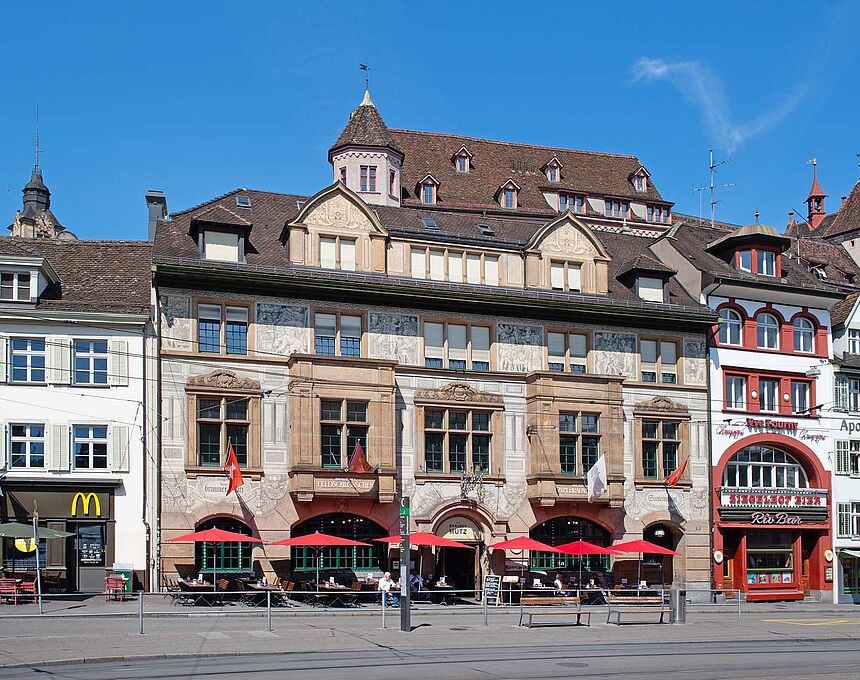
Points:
(405, 609)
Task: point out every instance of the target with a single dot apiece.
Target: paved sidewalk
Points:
(30, 640)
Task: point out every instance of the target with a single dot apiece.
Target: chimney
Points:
(156, 206)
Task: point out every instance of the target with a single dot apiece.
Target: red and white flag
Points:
(234, 474)
(675, 477)
(358, 461)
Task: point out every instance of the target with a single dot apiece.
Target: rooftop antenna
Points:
(699, 190)
(711, 185)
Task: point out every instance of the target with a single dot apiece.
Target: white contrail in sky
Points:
(705, 90)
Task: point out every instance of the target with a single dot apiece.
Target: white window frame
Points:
(29, 354)
(90, 440)
(91, 356)
(28, 439)
(570, 273)
(761, 395)
(665, 373)
(570, 360)
(17, 288)
(766, 262)
(854, 341)
(650, 288)
(341, 246)
(806, 335)
(847, 457)
(732, 402)
(800, 391)
(731, 320)
(767, 327)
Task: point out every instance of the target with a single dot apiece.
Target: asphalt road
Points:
(832, 659)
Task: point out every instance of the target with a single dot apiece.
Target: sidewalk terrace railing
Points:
(275, 602)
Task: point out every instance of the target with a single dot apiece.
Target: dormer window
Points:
(639, 182)
(462, 160)
(650, 288)
(614, 207)
(658, 214)
(573, 202)
(639, 179)
(428, 193)
(15, 286)
(507, 195)
(766, 263)
(757, 261)
(552, 170)
(224, 246)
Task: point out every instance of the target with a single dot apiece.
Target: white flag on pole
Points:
(597, 482)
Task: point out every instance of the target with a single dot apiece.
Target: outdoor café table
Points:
(445, 594)
(330, 595)
(260, 592)
(201, 592)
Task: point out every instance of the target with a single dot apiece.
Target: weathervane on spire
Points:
(36, 166)
(364, 67)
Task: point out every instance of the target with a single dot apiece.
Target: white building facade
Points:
(73, 407)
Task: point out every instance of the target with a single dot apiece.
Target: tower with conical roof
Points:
(366, 158)
(815, 201)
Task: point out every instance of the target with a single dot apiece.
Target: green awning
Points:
(850, 553)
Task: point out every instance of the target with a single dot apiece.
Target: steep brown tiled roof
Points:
(95, 276)
(838, 266)
(840, 311)
(691, 240)
(803, 229)
(271, 211)
(645, 263)
(365, 127)
(848, 217)
(493, 163)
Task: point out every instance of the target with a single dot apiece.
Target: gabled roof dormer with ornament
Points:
(639, 179)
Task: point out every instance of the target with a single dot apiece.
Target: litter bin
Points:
(679, 605)
(127, 571)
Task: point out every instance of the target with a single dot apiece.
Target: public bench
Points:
(543, 601)
(633, 604)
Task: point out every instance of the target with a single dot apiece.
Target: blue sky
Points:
(199, 98)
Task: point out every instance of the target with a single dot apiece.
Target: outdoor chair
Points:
(9, 589)
(27, 589)
(114, 587)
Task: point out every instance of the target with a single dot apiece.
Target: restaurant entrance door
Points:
(86, 557)
(459, 566)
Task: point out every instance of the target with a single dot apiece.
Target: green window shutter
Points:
(58, 451)
(844, 517)
(4, 349)
(843, 457)
(118, 362)
(119, 448)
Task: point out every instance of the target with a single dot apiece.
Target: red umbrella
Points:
(214, 536)
(581, 548)
(424, 538)
(642, 547)
(318, 540)
(524, 543)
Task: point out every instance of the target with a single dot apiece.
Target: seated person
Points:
(385, 586)
(559, 586)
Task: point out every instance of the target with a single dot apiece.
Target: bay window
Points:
(661, 445)
(578, 442)
(343, 426)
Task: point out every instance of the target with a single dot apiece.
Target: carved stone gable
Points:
(568, 240)
(224, 380)
(661, 404)
(458, 393)
(338, 211)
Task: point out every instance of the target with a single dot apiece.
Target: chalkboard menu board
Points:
(492, 588)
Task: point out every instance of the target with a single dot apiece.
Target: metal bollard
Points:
(484, 598)
(269, 609)
(140, 610)
(383, 608)
(679, 604)
(739, 605)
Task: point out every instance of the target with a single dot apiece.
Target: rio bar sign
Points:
(774, 518)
